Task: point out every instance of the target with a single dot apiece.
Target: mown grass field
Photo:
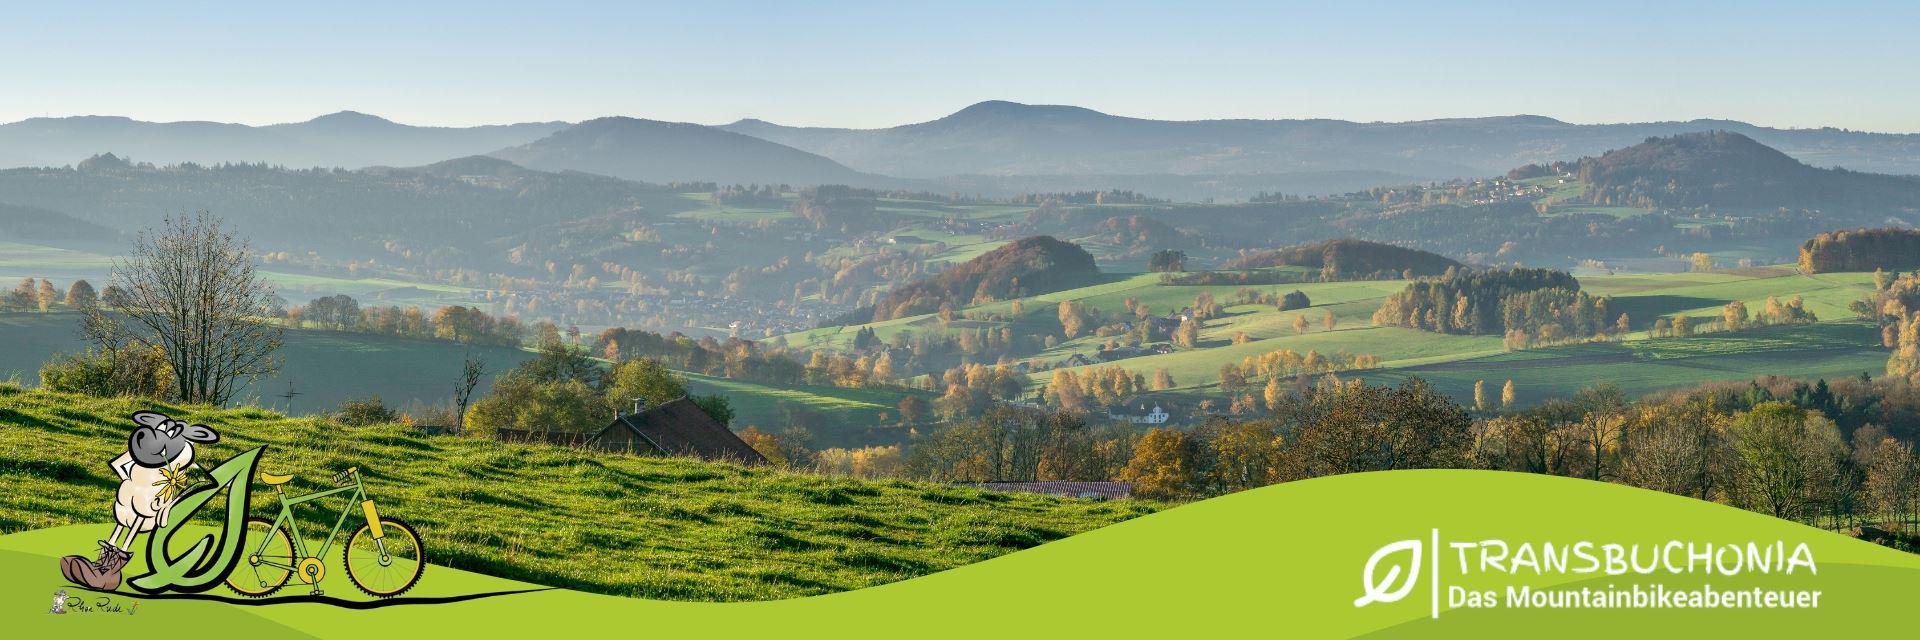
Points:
(1824, 350)
(848, 417)
(673, 529)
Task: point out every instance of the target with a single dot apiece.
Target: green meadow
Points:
(845, 417)
(663, 528)
(1823, 350)
(1836, 346)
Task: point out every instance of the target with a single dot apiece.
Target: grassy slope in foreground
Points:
(650, 527)
(1217, 568)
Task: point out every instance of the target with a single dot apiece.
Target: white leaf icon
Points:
(1383, 590)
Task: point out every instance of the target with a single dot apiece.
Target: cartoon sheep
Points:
(153, 474)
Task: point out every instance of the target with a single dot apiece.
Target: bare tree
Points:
(190, 289)
(471, 370)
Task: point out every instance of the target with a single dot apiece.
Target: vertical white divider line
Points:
(1433, 558)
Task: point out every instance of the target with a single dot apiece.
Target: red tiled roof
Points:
(681, 428)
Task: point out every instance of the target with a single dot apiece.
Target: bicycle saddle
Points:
(271, 479)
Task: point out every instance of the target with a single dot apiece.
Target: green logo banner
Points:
(1402, 554)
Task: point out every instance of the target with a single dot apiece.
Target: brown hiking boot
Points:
(103, 575)
(72, 566)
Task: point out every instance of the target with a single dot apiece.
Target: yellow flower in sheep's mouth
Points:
(173, 482)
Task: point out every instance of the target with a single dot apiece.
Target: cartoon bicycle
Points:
(383, 557)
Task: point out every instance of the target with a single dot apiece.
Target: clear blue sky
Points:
(859, 64)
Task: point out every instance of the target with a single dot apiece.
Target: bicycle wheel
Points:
(389, 574)
(258, 576)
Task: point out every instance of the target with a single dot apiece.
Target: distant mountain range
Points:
(998, 138)
(655, 151)
(1009, 139)
(991, 148)
(345, 139)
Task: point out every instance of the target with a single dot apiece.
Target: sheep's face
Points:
(160, 441)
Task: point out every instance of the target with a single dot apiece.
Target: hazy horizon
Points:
(447, 64)
(950, 112)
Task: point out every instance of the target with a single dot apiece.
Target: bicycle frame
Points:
(300, 548)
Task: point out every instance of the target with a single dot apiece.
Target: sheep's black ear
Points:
(201, 433)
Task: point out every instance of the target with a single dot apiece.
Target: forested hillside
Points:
(1025, 267)
(1861, 250)
(33, 224)
(448, 209)
(657, 151)
(1725, 169)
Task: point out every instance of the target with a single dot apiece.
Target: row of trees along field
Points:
(1100, 388)
(43, 296)
(1895, 306)
(1860, 250)
(564, 389)
(467, 325)
(1349, 259)
(728, 358)
(1286, 364)
(1734, 316)
(1540, 303)
(1836, 454)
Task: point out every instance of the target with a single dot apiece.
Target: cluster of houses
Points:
(1123, 352)
(1139, 412)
